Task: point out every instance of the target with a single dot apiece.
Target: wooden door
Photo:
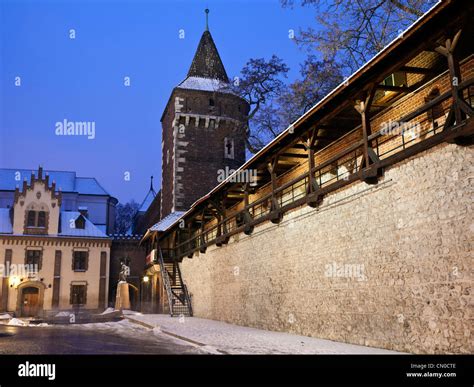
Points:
(30, 302)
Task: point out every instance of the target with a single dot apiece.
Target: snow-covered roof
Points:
(65, 180)
(5, 221)
(67, 220)
(68, 228)
(206, 84)
(167, 221)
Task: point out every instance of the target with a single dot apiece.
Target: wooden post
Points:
(275, 211)
(202, 241)
(221, 235)
(363, 107)
(312, 193)
(246, 213)
(459, 105)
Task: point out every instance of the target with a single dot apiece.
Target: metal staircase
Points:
(177, 292)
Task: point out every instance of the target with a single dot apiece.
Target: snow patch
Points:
(5, 316)
(131, 313)
(63, 314)
(206, 84)
(17, 322)
(210, 349)
(108, 310)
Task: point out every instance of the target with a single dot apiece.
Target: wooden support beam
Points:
(459, 105)
(221, 235)
(275, 211)
(202, 241)
(416, 70)
(294, 155)
(248, 229)
(188, 236)
(312, 192)
(363, 107)
(398, 89)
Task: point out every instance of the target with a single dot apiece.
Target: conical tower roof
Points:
(207, 62)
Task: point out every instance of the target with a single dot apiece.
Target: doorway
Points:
(29, 302)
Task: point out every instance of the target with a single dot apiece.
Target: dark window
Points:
(79, 260)
(36, 219)
(31, 219)
(41, 219)
(395, 79)
(78, 295)
(33, 257)
(211, 102)
(80, 222)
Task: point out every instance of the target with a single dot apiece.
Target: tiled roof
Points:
(66, 181)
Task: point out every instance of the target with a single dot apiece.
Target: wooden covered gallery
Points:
(416, 93)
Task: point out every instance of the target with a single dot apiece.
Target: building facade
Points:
(54, 247)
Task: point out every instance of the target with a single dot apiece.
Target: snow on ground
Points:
(108, 310)
(131, 313)
(63, 314)
(5, 316)
(17, 322)
(228, 338)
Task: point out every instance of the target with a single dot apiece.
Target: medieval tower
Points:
(203, 130)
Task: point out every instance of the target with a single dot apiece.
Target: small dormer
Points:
(36, 207)
(80, 222)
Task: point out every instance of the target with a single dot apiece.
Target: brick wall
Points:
(404, 247)
(192, 156)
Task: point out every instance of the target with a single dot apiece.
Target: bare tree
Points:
(352, 32)
(260, 83)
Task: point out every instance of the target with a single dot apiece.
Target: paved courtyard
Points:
(162, 334)
(122, 337)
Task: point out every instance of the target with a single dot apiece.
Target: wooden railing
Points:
(385, 148)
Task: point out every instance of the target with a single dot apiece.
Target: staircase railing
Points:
(166, 280)
(185, 291)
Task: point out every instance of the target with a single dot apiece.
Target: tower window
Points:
(229, 148)
(211, 102)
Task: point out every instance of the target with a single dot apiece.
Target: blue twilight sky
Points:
(82, 79)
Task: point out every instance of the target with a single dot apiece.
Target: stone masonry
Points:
(388, 265)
